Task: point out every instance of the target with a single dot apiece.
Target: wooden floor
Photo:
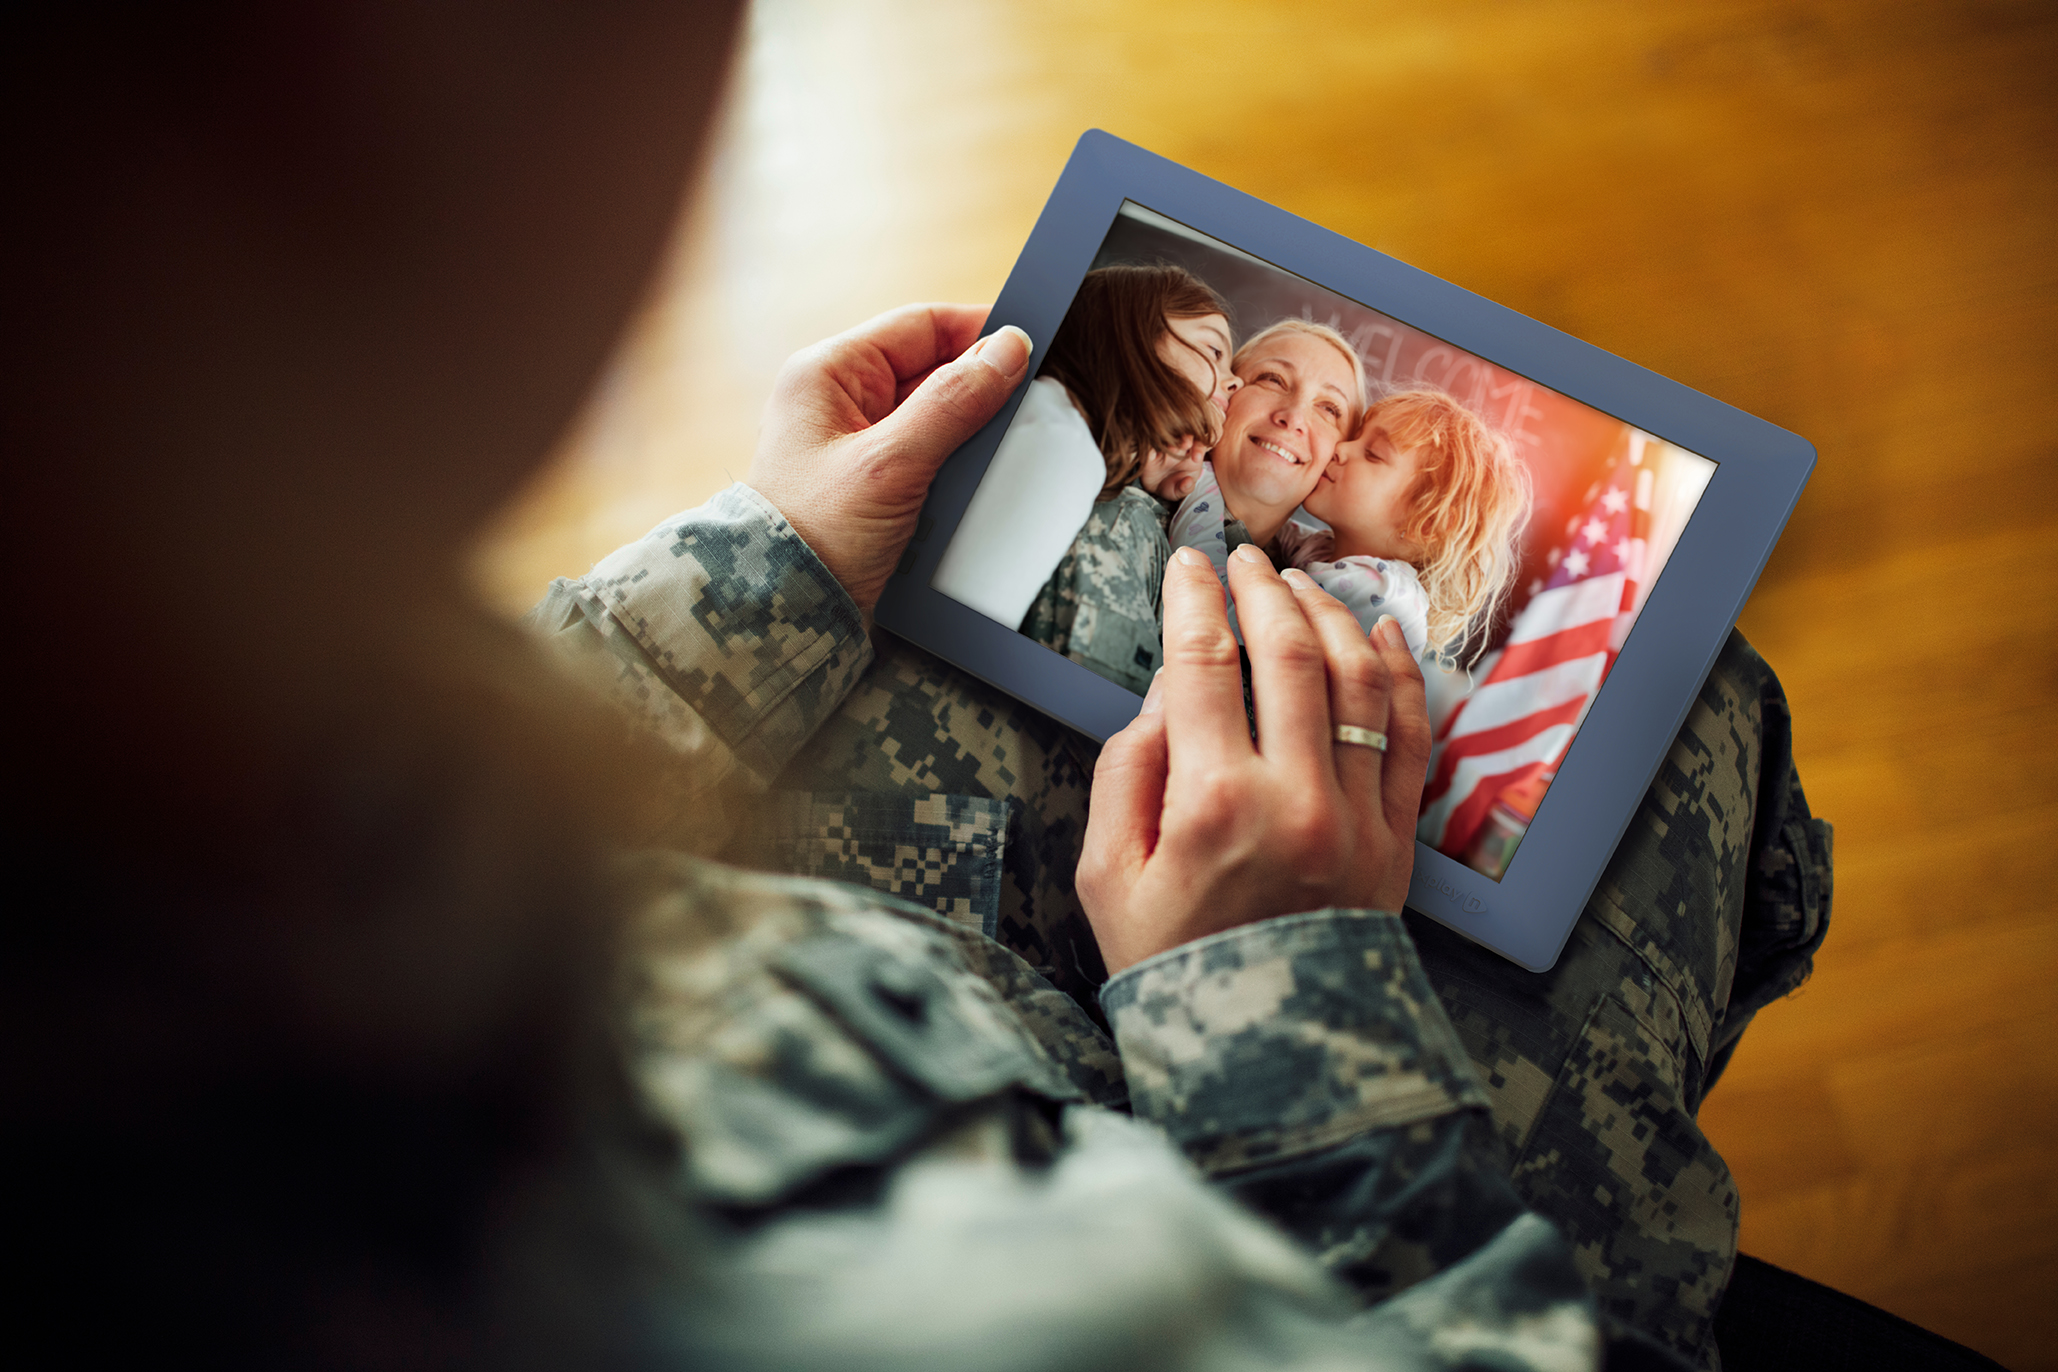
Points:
(1842, 217)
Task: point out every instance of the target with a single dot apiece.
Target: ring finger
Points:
(1360, 687)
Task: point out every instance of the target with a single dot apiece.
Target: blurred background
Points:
(1840, 216)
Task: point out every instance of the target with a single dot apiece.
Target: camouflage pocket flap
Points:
(1126, 650)
(939, 851)
(910, 1016)
(791, 1030)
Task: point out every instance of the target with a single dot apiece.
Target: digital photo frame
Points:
(1651, 510)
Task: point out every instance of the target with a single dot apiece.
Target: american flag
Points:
(1515, 727)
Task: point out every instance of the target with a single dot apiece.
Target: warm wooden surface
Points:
(1838, 216)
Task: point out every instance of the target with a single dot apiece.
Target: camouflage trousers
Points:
(938, 788)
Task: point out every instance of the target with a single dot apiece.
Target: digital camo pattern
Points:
(1714, 904)
(1203, 522)
(721, 638)
(1073, 1041)
(944, 853)
(1103, 606)
(788, 1029)
(1676, 906)
(915, 726)
(1307, 1056)
(1789, 889)
(850, 1093)
(1330, 1010)
(740, 620)
(1657, 1250)
(599, 649)
(1473, 1315)
(941, 852)
(685, 630)
(1398, 1205)
(1112, 1256)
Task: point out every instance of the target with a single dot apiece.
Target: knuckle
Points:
(1413, 728)
(967, 391)
(1092, 873)
(1200, 645)
(1299, 652)
(950, 389)
(874, 465)
(1213, 807)
(801, 367)
(1302, 824)
(1126, 749)
(1367, 673)
(1320, 607)
(1310, 833)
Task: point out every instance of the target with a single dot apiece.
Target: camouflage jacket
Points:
(1102, 607)
(898, 1146)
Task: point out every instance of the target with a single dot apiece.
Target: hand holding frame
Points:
(858, 424)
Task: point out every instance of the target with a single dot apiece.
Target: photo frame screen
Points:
(1198, 396)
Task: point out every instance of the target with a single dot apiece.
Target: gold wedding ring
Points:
(1370, 738)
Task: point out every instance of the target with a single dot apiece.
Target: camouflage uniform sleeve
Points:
(720, 632)
(1305, 1064)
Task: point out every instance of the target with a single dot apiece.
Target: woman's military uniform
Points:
(925, 1129)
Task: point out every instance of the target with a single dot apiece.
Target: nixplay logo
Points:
(1471, 904)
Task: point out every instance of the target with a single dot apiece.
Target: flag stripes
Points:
(1517, 724)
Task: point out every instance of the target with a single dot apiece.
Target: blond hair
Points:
(1470, 501)
(1327, 335)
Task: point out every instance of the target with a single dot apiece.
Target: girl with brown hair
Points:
(1144, 353)
(1129, 398)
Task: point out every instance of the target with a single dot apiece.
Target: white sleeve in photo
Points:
(1032, 502)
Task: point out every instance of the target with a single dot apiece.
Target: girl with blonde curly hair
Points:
(1424, 508)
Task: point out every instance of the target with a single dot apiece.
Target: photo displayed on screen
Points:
(1197, 396)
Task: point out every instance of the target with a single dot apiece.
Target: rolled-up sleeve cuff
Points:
(1285, 1037)
(742, 621)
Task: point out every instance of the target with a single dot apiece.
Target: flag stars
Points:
(1593, 531)
(1622, 550)
(1576, 562)
(1616, 500)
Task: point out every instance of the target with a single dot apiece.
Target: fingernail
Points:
(1390, 629)
(1007, 351)
(1298, 579)
(1250, 552)
(1192, 557)
(1154, 698)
